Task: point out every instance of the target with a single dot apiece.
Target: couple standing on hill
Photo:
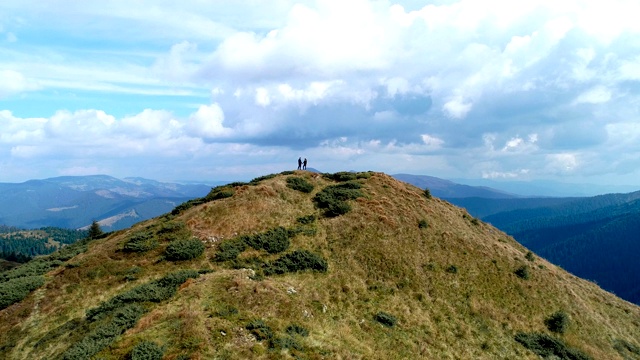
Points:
(302, 164)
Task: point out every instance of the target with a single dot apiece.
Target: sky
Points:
(232, 90)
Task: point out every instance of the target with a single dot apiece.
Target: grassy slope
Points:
(379, 260)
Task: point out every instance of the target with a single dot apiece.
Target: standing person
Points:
(299, 163)
(304, 164)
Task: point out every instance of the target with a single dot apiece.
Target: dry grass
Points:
(379, 260)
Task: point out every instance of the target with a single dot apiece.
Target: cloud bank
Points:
(221, 90)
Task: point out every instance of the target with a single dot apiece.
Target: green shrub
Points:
(123, 319)
(260, 330)
(341, 176)
(452, 269)
(140, 241)
(226, 311)
(35, 267)
(154, 291)
(186, 249)
(530, 256)
(625, 348)
(558, 322)
(523, 272)
(230, 249)
(219, 192)
(427, 193)
(171, 227)
(285, 342)
(259, 179)
(364, 175)
(298, 260)
(146, 350)
(547, 346)
(306, 220)
(300, 184)
(422, 224)
(15, 290)
(295, 329)
(385, 319)
(273, 241)
(333, 198)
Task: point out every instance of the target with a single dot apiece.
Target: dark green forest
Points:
(19, 245)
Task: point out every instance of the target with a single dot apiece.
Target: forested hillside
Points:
(14, 241)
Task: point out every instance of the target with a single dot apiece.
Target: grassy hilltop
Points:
(307, 266)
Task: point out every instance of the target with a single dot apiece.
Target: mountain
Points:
(448, 189)
(545, 188)
(308, 266)
(75, 201)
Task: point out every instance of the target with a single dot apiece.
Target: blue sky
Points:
(229, 90)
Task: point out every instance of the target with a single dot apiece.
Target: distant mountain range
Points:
(75, 201)
(447, 189)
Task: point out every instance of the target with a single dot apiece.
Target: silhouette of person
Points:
(299, 163)
(304, 164)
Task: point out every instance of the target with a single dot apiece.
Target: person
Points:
(299, 163)
(304, 164)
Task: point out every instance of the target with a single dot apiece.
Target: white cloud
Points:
(432, 141)
(207, 122)
(596, 95)
(356, 79)
(562, 163)
(457, 108)
(13, 82)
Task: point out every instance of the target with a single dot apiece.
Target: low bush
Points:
(146, 350)
(273, 241)
(299, 184)
(341, 176)
(385, 319)
(216, 193)
(15, 290)
(452, 269)
(154, 291)
(547, 346)
(259, 179)
(530, 256)
(35, 267)
(285, 342)
(260, 330)
(140, 241)
(427, 193)
(171, 227)
(306, 220)
(523, 272)
(298, 260)
(230, 249)
(422, 224)
(186, 249)
(102, 336)
(557, 322)
(295, 329)
(333, 198)
(625, 348)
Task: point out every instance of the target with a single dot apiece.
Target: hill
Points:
(595, 238)
(302, 265)
(75, 201)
